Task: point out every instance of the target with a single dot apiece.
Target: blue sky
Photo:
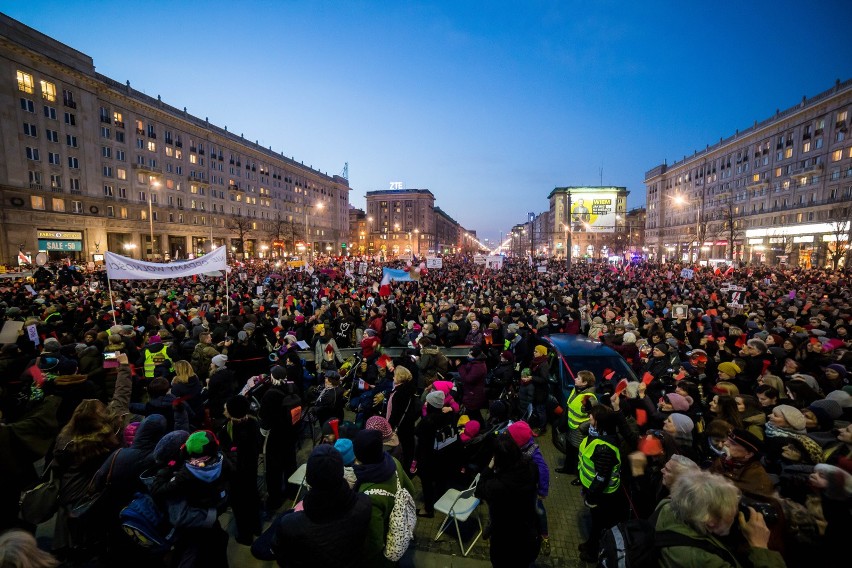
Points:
(490, 105)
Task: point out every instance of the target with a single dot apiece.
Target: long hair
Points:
(183, 371)
(18, 549)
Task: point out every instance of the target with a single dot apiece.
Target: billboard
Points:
(593, 212)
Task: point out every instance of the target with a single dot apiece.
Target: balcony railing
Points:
(140, 132)
(118, 123)
(35, 186)
(70, 104)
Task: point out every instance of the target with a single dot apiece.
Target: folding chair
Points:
(459, 506)
(298, 478)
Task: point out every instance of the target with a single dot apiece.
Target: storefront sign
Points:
(60, 245)
(61, 235)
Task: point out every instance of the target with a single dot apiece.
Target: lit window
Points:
(25, 84)
(58, 205)
(152, 146)
(143, 215)
(37, 202)
(122, 212)
(755, 178)
(788, 152)
(117, 118)
(169, 151)
(76, 206)
(121, 173)
(836, 155)
(806, 147)
(48, 91)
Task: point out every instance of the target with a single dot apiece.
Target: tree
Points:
(242, 227)
(283, 233)
(730, 225)
(841, 231)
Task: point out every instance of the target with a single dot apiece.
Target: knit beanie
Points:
(520, 432)
(278, 373)
(202, 443)
(508, 356)
(824, 421)
(839, 481)
(169, 447)
(471, 431)
(729, 369)
(368, 446)
(435, 399)
(682, 423)
(841, 397)
(726, 388)
(344, 446)
(381, 424)
(678, 402)
(52, 345)
(831, 407)
(325, 468)
(238, 406)
(840, 369)
(220, 361)
(792, 415)
(540, 350)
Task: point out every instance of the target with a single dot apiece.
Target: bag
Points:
(40, 503)
(85, 505)
(403, 519)
(445, 437)
(146, 525)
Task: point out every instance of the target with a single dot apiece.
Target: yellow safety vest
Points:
(154, 359)
(576, 414)
(586, 466)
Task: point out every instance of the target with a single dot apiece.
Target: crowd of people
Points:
(195, 395)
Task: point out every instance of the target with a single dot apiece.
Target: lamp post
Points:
(318, 206)
(568, 244)
(154, 185)
(417, 232)
(369, 231)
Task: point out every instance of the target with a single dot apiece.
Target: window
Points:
(70, 119)
(52, 135)
(788, 153)
(48, 91)
(179, 154)
(55, 181)
(119, 137)
(27, 105)
(68, 98)
(104, 132)
(121, 173)
(106, 151)
(806, 147)
(179, 170)
(143, 215)
(53, 158)
(107, 171)
(58, 205)
(841, 116)
(836, 155)
(74, 184)
(170, 151)
(35, 179)
(839, 136)
(30, 130)
(142, 196)
(122, 212)
(155, 216)
(152, 146)
(25, 83)
(32, 154)
(110, 211)
(140, 144)
(50, 112)
(818, 143)
(118, 119)
(73, 162)
(108, 192)
(71, 140)
(76, 207)
(122, 193)
(152, 163)
(151, 131)
(119, 155)
(193, 159)
(37, 202)
(777, 172)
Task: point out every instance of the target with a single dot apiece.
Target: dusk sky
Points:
(490, 105)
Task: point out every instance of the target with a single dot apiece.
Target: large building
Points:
(592, 218)
(89, 164)
(778, 191)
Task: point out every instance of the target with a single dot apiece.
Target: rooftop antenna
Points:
(600, 174)
(345, 173)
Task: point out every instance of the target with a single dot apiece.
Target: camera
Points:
(770, 515)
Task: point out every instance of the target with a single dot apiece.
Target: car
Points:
(568, 354)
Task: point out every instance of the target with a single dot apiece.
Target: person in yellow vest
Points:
(581, 399)
(600, 475)
(156, 355)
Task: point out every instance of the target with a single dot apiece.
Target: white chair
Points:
(459, 506)
(298, 478)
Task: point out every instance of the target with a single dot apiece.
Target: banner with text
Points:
(123, 268)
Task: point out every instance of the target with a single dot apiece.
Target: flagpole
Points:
(227, 293)
(109, 293)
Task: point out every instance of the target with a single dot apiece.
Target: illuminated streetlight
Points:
(154, 185)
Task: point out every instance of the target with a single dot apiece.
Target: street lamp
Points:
(154, 185)
(417, 232)
(567, 228)
(318, 206)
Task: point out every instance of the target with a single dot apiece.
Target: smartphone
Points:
(111, 356)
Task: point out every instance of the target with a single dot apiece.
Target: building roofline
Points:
(588, 189)
(399, 192)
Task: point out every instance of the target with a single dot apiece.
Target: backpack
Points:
(636, 544)
(146, 524)
(403, 519)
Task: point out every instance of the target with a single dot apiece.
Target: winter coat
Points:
(380, 513)
(473, 378)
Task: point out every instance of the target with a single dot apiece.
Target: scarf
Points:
(375, 472)
(323, 505)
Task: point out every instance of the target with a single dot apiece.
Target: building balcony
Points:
(140, 132)
(70, 104)
(118, 123)
(144, 168)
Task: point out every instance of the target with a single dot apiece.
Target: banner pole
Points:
(227, 294)
(109, 293)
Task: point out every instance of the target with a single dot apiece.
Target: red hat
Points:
(520, 432)
(382, 361)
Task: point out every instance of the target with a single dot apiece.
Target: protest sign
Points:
(433, 262)
(32, 331)
(124, 268)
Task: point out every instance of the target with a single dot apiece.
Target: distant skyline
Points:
(489, 105)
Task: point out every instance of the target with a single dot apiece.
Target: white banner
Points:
(494, 262)
(123, 268)
(434, 262)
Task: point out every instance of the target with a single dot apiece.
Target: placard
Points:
(9, 334)
(434, 262)
(479, 259)
(679, 311)
(542, 269)
(687, 273)
(32, 332)
(362, 268)
(30, 289)
(259, 291)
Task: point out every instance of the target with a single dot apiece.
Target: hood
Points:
(430, 350)
(209, 473)
(152, 429)
(70, 380)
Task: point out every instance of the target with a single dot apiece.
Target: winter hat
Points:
(831, 407)
(682, 423)
(678, 402)
(52, 345)
(824, 421)
(508, 356)
(730, 369)
(344, 446)
(242, 336)
(202, 443)
(839, 481)
(724, 387)
(382, 425)
(219, 361)
(540, 350)
(809, 380)
(747, 440)
(169, 447)
(368, 446)
(520, 432)
(840, 369)
(278, 373)
(471, 430)
(435, 399)
(130, 433)
(238, 406)
(325, 468)
(792, 415)
(841, 397)
(79, 348)
(249, 327)
(154, 339)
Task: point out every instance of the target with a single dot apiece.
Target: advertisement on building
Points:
(593, 212)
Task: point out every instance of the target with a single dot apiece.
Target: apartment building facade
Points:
(779, 191)
(592, 218)
(89, 164)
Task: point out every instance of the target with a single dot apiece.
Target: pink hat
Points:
(678, 402)
(381, 424)
(520, 432)
(471, 430)
(130, 433)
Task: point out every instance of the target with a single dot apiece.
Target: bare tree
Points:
(730, 225)
(283, 233)
(242, 228)
(841, 231)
